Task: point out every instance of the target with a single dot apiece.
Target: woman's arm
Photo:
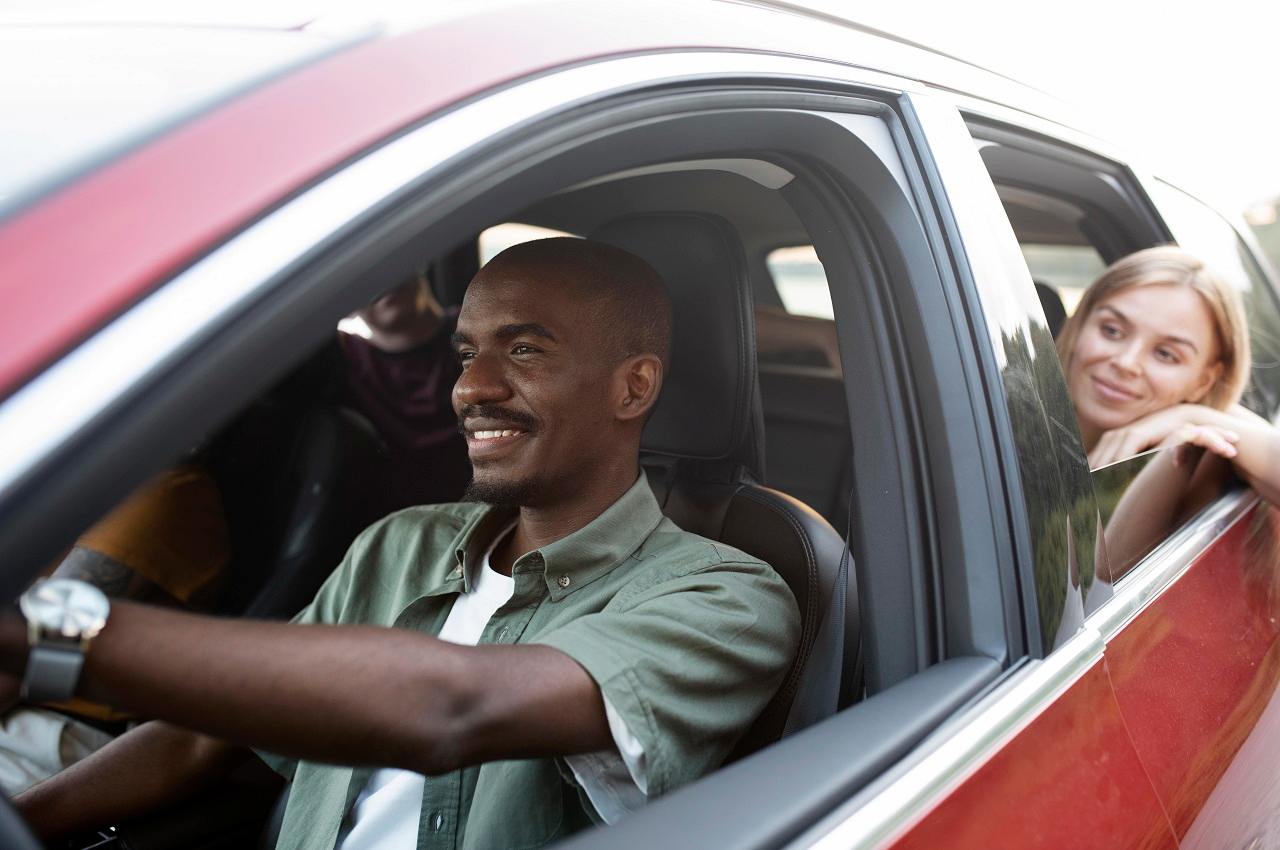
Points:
(1250, 442)
(1145, 513)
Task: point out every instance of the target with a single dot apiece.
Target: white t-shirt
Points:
(385, 815)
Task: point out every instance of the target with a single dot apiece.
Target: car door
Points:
(1194, 655)
(1184, 652)
(1044, 759)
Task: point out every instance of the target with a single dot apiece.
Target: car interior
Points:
(752, 452)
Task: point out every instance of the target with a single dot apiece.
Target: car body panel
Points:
(1070, 778)
(1196, 675)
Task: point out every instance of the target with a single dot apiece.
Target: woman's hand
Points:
(1181, 424)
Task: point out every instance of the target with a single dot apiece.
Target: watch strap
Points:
(52, 673)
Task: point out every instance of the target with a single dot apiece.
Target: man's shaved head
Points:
(622, 293)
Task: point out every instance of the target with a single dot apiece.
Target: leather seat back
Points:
(703, 448)
(294, 480)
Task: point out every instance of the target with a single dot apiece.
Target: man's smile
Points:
(491, 432)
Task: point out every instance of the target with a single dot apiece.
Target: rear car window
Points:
(801, 281)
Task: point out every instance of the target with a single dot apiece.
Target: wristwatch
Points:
(63, 616)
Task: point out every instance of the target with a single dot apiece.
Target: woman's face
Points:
(1142, 349)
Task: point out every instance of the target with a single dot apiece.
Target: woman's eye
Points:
(1167, 355)
(1110, 331)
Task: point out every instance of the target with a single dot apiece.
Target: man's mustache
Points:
(515, 418)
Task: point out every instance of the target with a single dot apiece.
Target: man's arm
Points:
(353, 695)
(142, 770)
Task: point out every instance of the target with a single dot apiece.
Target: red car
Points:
(186, 211)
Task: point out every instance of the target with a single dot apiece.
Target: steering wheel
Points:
(14, 833)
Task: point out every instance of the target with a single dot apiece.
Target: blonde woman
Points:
(1157, 354)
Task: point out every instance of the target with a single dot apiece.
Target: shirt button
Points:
(502, 634)
(563, 581)
(437, 822)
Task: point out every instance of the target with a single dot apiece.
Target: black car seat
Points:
(703, 451)
(293, 472)
(1055, 313)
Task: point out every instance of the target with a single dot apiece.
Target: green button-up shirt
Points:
(687, 638)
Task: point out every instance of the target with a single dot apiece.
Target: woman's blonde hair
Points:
(1169, 264)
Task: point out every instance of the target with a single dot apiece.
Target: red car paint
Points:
(1071, 779)
(1197, 671)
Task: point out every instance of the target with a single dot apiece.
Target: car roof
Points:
(84, 248)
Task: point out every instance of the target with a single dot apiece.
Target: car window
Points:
(801, 331)
(801, 281)
(498, 237)
(1073, 214)
(1066, 269)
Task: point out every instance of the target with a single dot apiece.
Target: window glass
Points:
(494, 240)
(1211, 237)
(1068, 269)
(801, 281)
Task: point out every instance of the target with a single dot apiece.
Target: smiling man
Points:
(558, 651)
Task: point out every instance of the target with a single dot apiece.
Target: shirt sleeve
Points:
(172, 531)
(615, 781)
(688, 662)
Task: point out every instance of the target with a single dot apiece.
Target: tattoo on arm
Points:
(110, 576)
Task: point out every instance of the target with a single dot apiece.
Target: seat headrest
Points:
(710, 401)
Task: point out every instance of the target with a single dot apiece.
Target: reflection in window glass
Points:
(1212, 238)
(801, 281)
(1068, 269)
(1144, 499)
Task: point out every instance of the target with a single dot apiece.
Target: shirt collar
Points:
(578, 559)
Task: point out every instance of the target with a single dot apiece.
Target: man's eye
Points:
(521, 348)
(466, 356)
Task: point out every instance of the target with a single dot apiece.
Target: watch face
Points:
(73, 609)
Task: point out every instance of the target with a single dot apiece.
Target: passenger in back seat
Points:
(400, 379)
(166, 544)
(492, 674)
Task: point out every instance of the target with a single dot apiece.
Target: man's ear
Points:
(639, 378)
(1207, 382)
